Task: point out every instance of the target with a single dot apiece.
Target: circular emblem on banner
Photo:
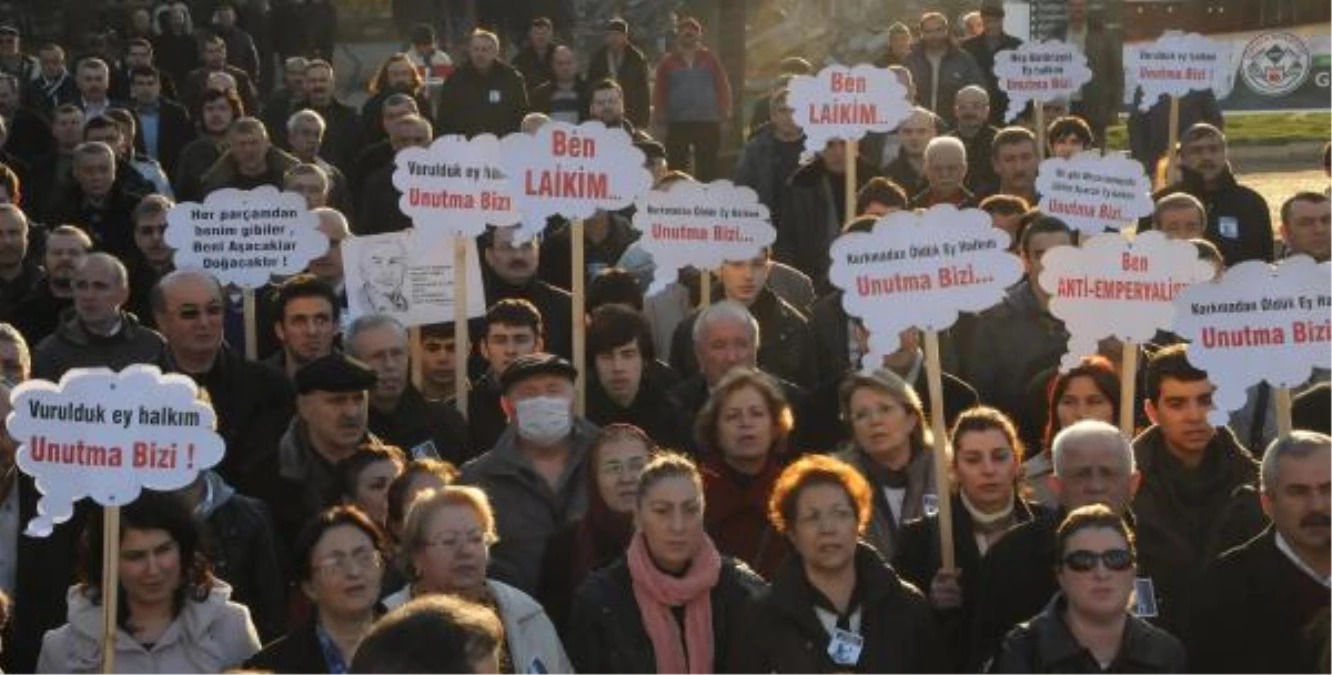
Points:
(1275, 64)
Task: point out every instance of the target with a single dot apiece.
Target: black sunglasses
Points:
(1115, 560)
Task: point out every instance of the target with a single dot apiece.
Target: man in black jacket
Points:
(510, 271)
(485, 95)
(512, 328)
(1238, 220)
(164, 126)
(42, 310)
(983, 47)
(341, 121)
(813, 210)
(535, 61)
(623, 62)
(1258, 607)
(101, 199)
(1198, 497)
(378, 202)
(564, 95)
(629, 383)
(399, 414)
(972, 109)
(213, 55)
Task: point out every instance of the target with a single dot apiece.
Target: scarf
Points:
(657, 592)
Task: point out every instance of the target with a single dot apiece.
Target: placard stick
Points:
(852, 149)
(414, 348)
(1172, 159)
(934, 374)
(251, 326)
(1038, 121)
(110, 584)
(1283, 407)
(704, 289)
(578, 272)
(1128, 381)
(460, 350)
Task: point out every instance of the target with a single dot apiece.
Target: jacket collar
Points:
(1055, 643)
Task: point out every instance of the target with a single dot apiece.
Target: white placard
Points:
(107, 435)
(1041, 72)
(700, 225)
(245, 237)
(847, 102)
(409, 276)
(456, 185)
(1258, 322)
(1176, 64)
(1114, 287)
(921, 269)
(572, 171)
(1094, 193)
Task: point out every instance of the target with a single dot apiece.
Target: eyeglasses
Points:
(455, 541)
(1115, 560)
(360, 559)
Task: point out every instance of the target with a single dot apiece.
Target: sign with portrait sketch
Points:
(407, 275)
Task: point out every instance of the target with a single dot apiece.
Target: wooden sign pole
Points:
(934, 375)
(704, 289)
(1038, 121)
(460, 350)
(251, 326)
(111, 583)
(852, 149)
(414, 349)
(1172, 156)
(1128, 382)
(578, 274)
(1283, 412)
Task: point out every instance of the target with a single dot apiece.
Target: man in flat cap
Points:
(536, 474)
(332, 412)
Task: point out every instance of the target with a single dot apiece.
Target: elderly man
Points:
(1306, 225)
(972, 110)
(250, 160)
(399, 414)
(1257, 608)
(38, 315)
(305, 136)
(377, 204)
(253, 401)
(485, 94)
(383, 267)
(97, 202)
(332, 411)
(945, 175)
(1179, 215)
(100, 333)
(536, 473)
(915, 132)
(1093, 464)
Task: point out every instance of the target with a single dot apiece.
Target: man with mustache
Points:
(1238, 220)
(510, 271)
(38, 315)
(1016, 158)
(1197, 498)
(332, 416)
(152, 258)
(1257, 605)
(306, 314)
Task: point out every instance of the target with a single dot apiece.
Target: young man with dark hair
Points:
(306, 312)
(630, 384)
(164, 124)
(879, 197)
(1067, 136)
(1306, 225)
(614, 285)
(621, 61)
(1006, 212)
(439, 350)
(513, 328)
(1198, 498)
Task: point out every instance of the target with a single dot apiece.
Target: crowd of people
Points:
(741, 492)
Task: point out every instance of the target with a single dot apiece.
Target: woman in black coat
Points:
(986, 504)
(836, 606)
(647, 613)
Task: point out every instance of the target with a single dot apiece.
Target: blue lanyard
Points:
(332, 655)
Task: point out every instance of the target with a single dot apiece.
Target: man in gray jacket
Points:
(536, 473)
(940, 67)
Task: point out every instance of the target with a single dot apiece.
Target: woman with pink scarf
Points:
(672, 604)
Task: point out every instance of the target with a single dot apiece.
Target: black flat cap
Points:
(540, 363)
(336, 372)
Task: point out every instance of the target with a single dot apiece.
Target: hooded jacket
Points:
(72, 346)
(207, 636)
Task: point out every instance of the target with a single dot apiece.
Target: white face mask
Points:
(544, 420)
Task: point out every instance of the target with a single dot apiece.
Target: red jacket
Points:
(736, 516)
(703, 58)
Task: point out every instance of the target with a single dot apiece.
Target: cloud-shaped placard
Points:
(1175, 64)
(1040, 71)
(456, 185)
(107, 435)
(572, 170)
(1113, 287)
(847, 102)
(1258, 322)
(245, 237)
(921, 269)
(703, 225)
(1093, 193)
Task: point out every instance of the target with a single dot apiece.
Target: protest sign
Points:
(1040, 72)
(106, 435)
(1113, 287)
(1258, 323)
(1093, 192)
(700, 225)
(455, 185)
(847, 102)
(245, 237)
(1174, 65)
(408, 275)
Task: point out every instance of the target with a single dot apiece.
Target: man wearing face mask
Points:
(535, 474)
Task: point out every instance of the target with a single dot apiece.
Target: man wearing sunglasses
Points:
(1257, 605)
(100, 333)
(253, 401)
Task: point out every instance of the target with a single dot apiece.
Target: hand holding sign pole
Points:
(922, 270)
